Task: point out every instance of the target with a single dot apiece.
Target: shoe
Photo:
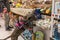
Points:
(8, 29)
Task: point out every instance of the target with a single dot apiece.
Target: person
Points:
(7, 19)
(7, 5)
(6, 9)
(3, 4)
(1, 7)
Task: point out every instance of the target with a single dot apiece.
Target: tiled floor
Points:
(3, 33)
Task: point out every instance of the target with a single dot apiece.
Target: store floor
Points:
(3, 33)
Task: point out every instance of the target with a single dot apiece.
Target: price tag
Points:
(59, 27)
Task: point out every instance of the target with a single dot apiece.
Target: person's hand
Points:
(5, 10)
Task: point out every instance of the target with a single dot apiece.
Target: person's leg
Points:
(16, 33)
(7, 25)
(6, 22)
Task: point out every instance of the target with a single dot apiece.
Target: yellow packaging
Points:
(18, 5)
(47, 11)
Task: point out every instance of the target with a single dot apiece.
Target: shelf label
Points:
(59, 27)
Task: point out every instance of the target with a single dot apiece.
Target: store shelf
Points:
(56, 19)
(21, 11)
(46, 14)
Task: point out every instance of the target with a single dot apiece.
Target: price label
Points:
(59, 27)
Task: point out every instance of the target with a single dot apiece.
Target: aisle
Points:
(3, 33)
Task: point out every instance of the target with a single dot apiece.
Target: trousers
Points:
(7, 19)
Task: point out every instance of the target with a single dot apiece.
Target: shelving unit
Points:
(55, 15)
